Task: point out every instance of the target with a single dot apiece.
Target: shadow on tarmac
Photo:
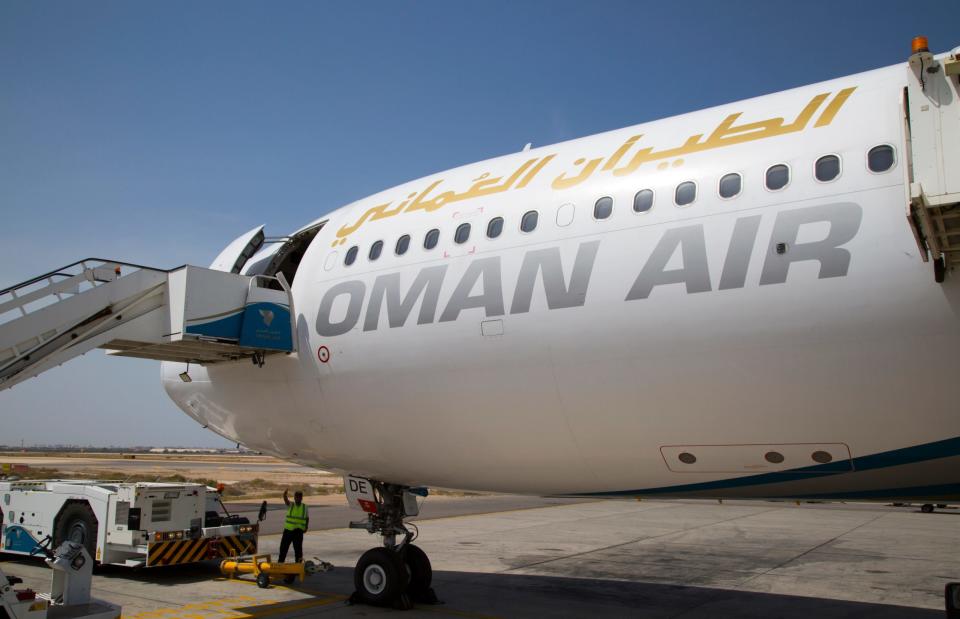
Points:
(470, 594)
(467, 594)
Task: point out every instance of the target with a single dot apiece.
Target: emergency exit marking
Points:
(323, 354)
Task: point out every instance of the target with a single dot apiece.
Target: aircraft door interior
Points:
(283, 256)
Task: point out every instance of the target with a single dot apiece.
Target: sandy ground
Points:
(224, 468)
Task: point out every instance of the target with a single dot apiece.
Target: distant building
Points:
(195, 450)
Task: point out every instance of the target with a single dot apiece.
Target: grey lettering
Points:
(427, 284)
(491, 299)
(356, 290)
(742, 240)
(559, 295)
(844, 220)
(695, 273)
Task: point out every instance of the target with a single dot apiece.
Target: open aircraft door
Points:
(235, 255)
(931, 111)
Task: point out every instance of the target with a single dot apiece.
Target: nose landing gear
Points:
(399, 573)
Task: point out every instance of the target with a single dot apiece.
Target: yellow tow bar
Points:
(263, 568)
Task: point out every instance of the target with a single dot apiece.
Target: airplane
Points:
(756, 300)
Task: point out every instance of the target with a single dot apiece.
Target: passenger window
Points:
(686, 193)
(880, 158)
(827, 168)
(375, 250)
(351, 256)
(565, 213)
(529, 221)
(777, 177)
(403, 243)
(462, 234)
(603, 208)
(430, 241)
(495, 227)
(730, 185)
(643, 201)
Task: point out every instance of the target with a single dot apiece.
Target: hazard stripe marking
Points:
(191, 550)
(168, 553)
(200, 551)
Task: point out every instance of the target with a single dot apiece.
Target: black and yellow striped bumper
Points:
(178, 552)
(236, 546)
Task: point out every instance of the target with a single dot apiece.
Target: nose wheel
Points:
(396, 574)
(379, 578)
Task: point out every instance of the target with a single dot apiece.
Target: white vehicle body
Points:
(136, 523)
(777, 343)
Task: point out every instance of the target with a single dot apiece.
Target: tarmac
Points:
(600, 559)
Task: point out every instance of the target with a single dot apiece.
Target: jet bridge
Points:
(931, 106)
(188, 314)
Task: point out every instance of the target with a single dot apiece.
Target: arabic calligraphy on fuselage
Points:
(725, 134)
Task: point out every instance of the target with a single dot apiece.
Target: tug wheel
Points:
(263, 580)
(77, 524)
(927, 508)
(379, 577)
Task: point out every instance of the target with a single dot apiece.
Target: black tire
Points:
(421, 572)
(927, 508)
(939, 270)
(77, 523)
(263, 581)
(379, 577)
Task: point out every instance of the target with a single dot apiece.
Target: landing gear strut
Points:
(399, 573)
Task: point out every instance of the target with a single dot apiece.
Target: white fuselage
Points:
(674, 331)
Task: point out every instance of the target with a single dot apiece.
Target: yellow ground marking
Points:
(443, 610)
(274, 585)
(238, 607)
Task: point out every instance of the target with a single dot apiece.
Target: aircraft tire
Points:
(379, 578)
(927, 508)
(421, 572)
(952, 594)
(77, 523)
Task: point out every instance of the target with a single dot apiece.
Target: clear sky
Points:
(157, 132)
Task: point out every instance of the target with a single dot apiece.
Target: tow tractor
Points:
(132, 524)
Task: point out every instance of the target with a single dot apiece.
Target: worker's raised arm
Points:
(286, 497)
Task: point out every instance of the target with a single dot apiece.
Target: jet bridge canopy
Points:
(188, 314)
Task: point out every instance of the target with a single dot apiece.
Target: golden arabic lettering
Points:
(726, 134)
(483, 185)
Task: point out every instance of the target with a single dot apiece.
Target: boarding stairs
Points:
(931, 111)
(188, 314)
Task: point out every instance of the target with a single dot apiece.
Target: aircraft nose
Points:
(180, 382)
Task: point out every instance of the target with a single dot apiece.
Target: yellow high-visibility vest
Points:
(296, 517)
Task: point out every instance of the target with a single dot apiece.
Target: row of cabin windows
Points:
(826, 169)
(528, 223)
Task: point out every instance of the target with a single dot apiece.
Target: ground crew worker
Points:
(295, 526)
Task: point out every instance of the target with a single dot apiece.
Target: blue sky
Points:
(156, 132)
